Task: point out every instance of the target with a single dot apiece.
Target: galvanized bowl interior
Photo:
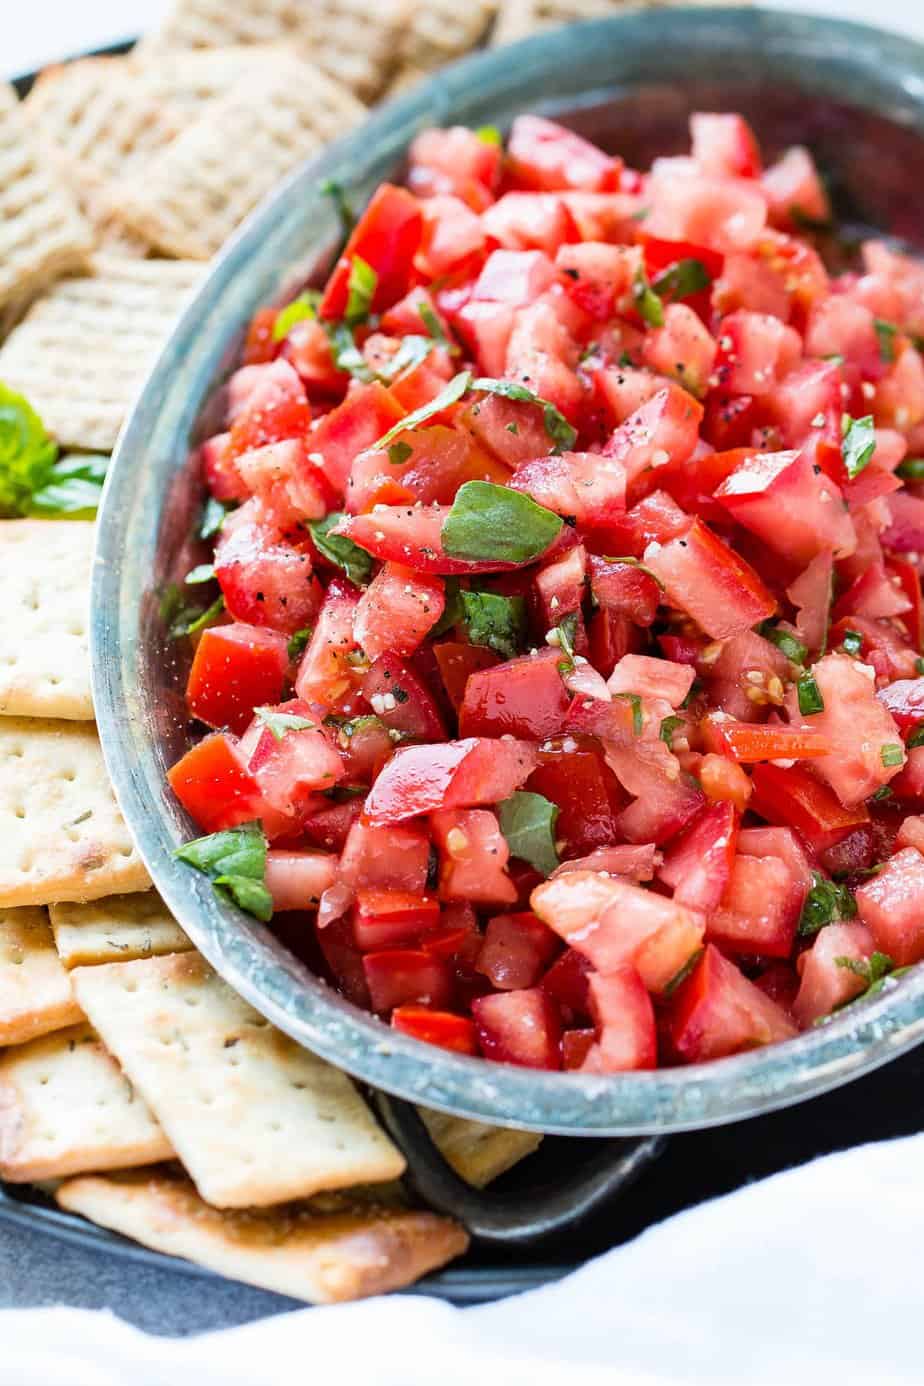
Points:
(856, 97)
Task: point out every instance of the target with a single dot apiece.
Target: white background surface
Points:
(45, 30)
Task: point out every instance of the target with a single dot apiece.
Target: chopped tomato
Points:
(519, 1027)
(297, 880)
(625, 1021)
(827, 980)
(402, 701)
(389, 918)
(699, 862)
(422, 779)
(215, 787)
(705, 578)
(390, 858)
(573, 774)
(473, 857)
(517, 949)
(235, 669)
(546, 157)
(386, 238)
(521, 697)
(399, 976)
(443, 1028)
(396, 611)
(793, 798)
(717, 1011)
(891, 905)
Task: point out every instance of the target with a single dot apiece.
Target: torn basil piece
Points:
(528, 823)
(235, 862)
(562, 434)
(340, 550)
(494, 621)
(489, 523)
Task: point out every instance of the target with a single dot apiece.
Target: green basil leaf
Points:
(916, 738)
(298, 643)
(852, 642)
(892, 753)
(452, 610)
(668, 726)
(234, 860)
(280, 723)
(884, 792)
(858, 445)
(346, 355)
(562, 434)
(489, 522)
(886, 332)
(433, 325)
(189, 620)
(646, 301)
(638, 716)
(787, 643)
(528, 823)
(871, 969)
(809, 694)
(214, 513)
(495, 621)
(683, 973)
(489, 134)
(341, 551)
(398, 453)
(305, 306)
(27, 453)
(72, 488)
(411, 352)
(566, 634)
(453, 392)
(361, 288)
(205, 572)
(826, 903)
(330, 188)
(251, 896)
(681, 280)
(912, 469)
(805, 221)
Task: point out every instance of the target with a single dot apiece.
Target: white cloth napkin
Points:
(810, 1278)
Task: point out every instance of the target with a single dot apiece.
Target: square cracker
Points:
(44, 654)
(478, 1153)
(357, 43)
(187, 80)
(119, 928)
(254, 1118)
(61, 834)
(35, 990)
(441, 30)
(325, 1251)
(197, 191)
(42, 232)
(66, 1107)
(81, 354)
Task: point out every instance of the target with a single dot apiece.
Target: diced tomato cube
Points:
(705, 578)
(545, 156)
(794, 798)
(517, 949)
(522, 697)
(891, 905)
(422, 779)
(401, 976)
(386, 237)
(325, 673)
(789, 504)
(473, 857)
(386, 858)
(389, 918)
(754, 916)
(573, 775)
(652, 678)
(724, 145)
(625, 1020)
(443, 1028)
(529, 221)
(265, 580)
(396, 611)
(366, 415)
(215, 787)
(698, 864)
(794, 188)
(717, 1011)
(235, 669)
(575, 1046)
(826, 979)
(402, 701)
(297, 880)
(519, 1027)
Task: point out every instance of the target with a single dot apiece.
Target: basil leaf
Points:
(892, 754)
(305, 306)
(27, 453)
(912, 469)
(495, 621)
(871, 969)
(346, 355)
(489, 134)
(647, 302)
(234, 861)
(205, 572)
(916, 738)
(528, 823)
(567, 632)
(852, 642)
(638, 717)
(489, 522)
(919, 665)
(562, 434)
(681, 280)
(298, 643)
(341, 551)
(668, 726)
(884, 792)
(826, 903)
(332, 189)
(189, 620)
(859, 444)
(452, 610)
(809, 694)
(886, 332)
(213, 517)
(398, 453)
(72, 487)
(453, 392)
(361, 288)
(786, 643)
(435, 328)
(684, 972)
(279, 723)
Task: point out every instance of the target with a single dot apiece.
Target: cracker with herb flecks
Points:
(66, 1108)
(61, 834)
(44, 655)
(255, 1118)
(477, 1152)
(193, 196)
(329, 1249)
(35, 990)
(118, 928)
(80, 355)
(42, 232)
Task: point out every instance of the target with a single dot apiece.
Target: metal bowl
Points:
(856, 96)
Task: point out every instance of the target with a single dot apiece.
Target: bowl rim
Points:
(245, 953)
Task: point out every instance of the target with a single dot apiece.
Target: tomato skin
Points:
(442, 1028)
(390, 918)
(265, 580)
(625, 1021)
(235, 669)
(703, 577)
(724, 145)
(754, 917)
(389, 858)
(717, 1011)
(750, 742)
(795, 799)
(522, 697)
(423, 779)
(624, 589)
(367, 413)
(215, 787)
(387, 237)
(519, 1027)
(568, 984)
(791, 506)
(259, 345)
(547, 157)
(457, 662)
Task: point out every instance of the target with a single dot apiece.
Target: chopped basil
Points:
(858, 445)
(638, 719)
(826, 903)
(852, 642)
(668, 726)
(279, 723)
(452, 609)
(205, 572)
(452, 393)
(305, 306)
(912, 469)
(528, 823)
(411, 352)
(340, 550)
(885, 792)
(681, 280)
(567, 631)
(189, 620)
(235, 862)
(871, 969)
(646, 301)
(346, 355)
(916, 738)
(361, 288)
(398, 453)
(892, 753)
(562, 434)
(919, 665)
(72, 487)
(683, 973)
(495, 621)
(489, 134)
(494, 523)
(886, 332)
(787, 643)
(298, 643)
(330, 188)
(433, 325)
(214, 513)
(810, 699)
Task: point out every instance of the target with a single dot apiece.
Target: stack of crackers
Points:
(134, 1084)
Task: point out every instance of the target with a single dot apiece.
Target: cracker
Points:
(98, 119)
(441, 30)
(335, 1248)
(354, 41)
(194, 194)
(66, 1108)
(478, 1153)
(255, 1119)
(35, 990)
(119, 928)
(44, 655)
(61, 834)
(186, 81)
(82, 353)
(519, 18)
(42, 232)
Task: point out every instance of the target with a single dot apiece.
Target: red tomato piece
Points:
(523, 697)
(652, 678)
(891, 905)
(795, 509)
(325, 672)
(725, 145)
(366, 415)
(220, 469)
(754, 916)
(274, 407)
(575, 1046)
(519, 1027)
(443, 1028)
(235, 669)
(411, 535)
(546, 157)
(389, 858)
(389, 918)
(625, 1021)
(698, 864)
(396, 611)
(297, 880)
(573, 774)
(827, 983)
(473, 857)
(794, 798)
(529, 221)
(717, 1011)
(265, 580)
(517, 949)
(422, 779)
(793, 187)
(567, 983)
(214, 786)
(387, 236)
(457, 662)
(259, 345)
(624, 589)
(750, 742)
(587, 486)
(451, 233)
(705, 578)
(401, 699)
(402, 976)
